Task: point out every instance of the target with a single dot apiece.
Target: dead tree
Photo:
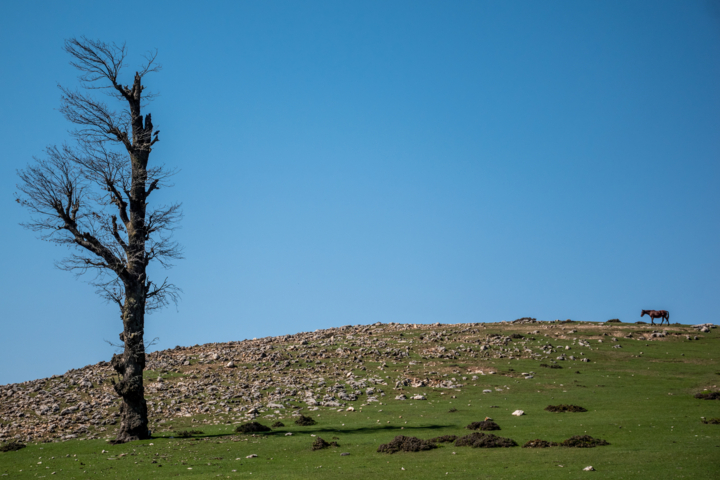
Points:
(93, 198)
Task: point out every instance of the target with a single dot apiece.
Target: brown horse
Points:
(653, 314)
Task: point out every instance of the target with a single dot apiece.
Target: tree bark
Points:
(130, 365)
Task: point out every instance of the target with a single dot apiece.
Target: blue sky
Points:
(354, 162)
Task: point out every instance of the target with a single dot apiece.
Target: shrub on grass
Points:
(304, 421)
(252, 427)
(402, 443)
(319, 444)
(583, 441)
(708, 395)
(538, 443)
(277, 424)
(484, 440)
(485, 426)
(565, 408)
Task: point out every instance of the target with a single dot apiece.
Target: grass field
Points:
(642, 403)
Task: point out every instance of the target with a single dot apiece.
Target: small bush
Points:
(252, 427)
(319, 444)
(485, 426)
(484, 440)
(708, 395)
(304, 421)
(402, 443)
(583, 441)
(537, 443)
(565, 408)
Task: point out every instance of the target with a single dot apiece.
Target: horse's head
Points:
(643, 313)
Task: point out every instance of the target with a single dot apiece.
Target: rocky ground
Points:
(277, 377)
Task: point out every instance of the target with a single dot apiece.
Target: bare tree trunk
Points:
(130, 365)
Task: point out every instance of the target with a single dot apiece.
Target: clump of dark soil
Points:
(319, 444)
(484, 440)
(12, 447)
(711, 421)
(485, 425)
(583, 441)
(452, 410)
(402, 443)
(187, 433)
(252, 427)
(304, 421)
(565, 408)
(537, 443)
(277, 424)
(550, 366)
(444, 439)
(708, 395)
(516, 335)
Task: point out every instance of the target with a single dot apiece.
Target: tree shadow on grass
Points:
(318, 430)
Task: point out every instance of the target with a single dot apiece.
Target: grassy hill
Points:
(637, 383)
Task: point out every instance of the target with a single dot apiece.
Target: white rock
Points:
(518, 413)
(350, 409)
(251, 456)
(230, 364)
(589, 469)
(487, 391)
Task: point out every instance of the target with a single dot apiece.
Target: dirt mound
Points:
(252, 427)
(550, 366)
(187, 433)
(485, 425)
(452, 410)
(711, 421)
(319, 444)
(304, 421)
(583, 441)
(537, 443)
(402, 443)
(444, 439)
(565, 408)
(708, 395)
(484, 440)
(277, 424)
(12, 447)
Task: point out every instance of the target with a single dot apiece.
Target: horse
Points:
(653, 314)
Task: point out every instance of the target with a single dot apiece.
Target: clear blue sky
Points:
(354, 162)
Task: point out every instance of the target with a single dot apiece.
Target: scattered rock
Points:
(588, 469)
(518, 413)
(402, 443)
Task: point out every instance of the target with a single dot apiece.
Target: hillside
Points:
(428, 379)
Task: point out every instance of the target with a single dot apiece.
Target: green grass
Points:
(642, 405)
